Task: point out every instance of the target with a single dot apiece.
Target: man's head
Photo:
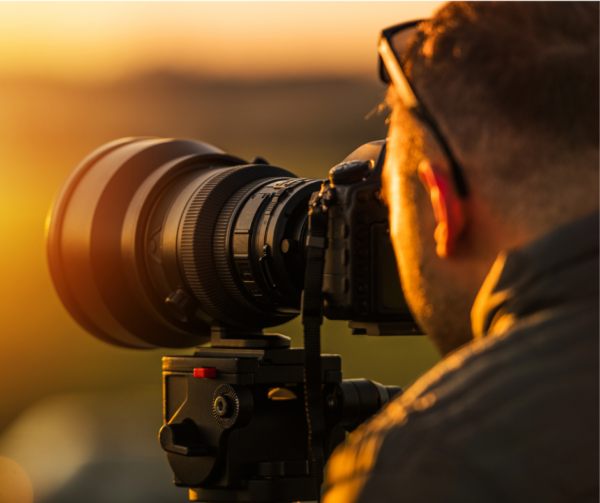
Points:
(513, 88)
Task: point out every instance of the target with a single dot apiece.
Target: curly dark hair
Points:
(514, 87)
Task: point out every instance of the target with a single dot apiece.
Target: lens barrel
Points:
(151, 242)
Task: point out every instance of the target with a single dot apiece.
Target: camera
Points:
(174, 243)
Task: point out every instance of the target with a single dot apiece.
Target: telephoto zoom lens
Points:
(153, 241)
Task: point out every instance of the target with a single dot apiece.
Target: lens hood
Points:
(95, 234)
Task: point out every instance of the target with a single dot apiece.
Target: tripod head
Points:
(235, 427)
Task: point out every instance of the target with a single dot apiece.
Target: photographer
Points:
(492, 180)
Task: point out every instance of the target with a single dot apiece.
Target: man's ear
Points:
(447, 206)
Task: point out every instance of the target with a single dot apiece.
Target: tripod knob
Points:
(182, 438)
(232, 406)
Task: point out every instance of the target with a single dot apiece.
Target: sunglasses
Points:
(393, 43)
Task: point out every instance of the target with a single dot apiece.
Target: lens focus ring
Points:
(196, 249)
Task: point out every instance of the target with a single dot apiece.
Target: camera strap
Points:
(312, 319)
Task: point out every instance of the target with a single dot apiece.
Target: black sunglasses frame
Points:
(391, 72)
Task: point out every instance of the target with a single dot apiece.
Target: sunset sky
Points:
(106, 40)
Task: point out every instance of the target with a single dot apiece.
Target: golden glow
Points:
(281, 394)
(15, 486)
(106, 40)
(403, 88)
(487, 301)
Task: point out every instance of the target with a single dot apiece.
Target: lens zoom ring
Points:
(196, 246)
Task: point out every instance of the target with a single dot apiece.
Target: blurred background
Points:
(293, 82)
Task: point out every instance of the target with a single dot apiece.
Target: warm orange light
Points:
(15, 486)
(106, 40)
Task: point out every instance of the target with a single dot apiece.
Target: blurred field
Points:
(47, 127)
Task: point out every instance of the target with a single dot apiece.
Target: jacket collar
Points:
(538, 276)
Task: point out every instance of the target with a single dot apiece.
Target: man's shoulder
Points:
(513, 405)
(510, 393)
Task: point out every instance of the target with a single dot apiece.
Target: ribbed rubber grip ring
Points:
(195, 246)
(229, 279)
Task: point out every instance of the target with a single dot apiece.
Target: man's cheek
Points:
(398, 225)
(400, 229)
(393, 199)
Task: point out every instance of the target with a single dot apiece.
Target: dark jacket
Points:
(511, 416)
